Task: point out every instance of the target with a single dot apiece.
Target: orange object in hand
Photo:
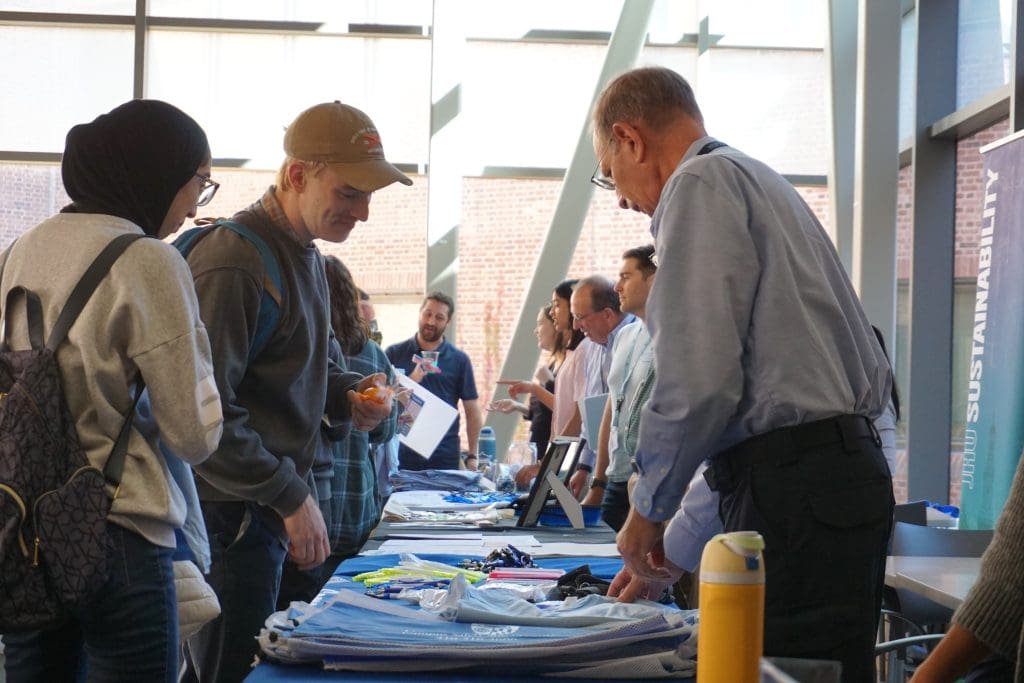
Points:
(375, 394)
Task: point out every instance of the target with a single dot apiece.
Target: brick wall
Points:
(28, 194)
(970, 194)
(904, 222)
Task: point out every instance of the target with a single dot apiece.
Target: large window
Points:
(908, 74)
(526, 77)
(330, 15)
(53, 78)
(225, 80)
(784, 23)
(80, 6)
(768, 103)
(983, 48)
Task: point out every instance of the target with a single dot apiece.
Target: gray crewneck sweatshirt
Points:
(143, 317)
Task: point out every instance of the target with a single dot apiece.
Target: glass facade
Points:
(783, 23)
(222, 79)
(67, 6)
(528, 75)
(768, 103)
(983, 48)
(49, 92)
(331, 16)
(899, 347)
(908, 74)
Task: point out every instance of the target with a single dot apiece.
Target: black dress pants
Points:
(821, 496)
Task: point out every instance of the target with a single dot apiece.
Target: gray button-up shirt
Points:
(755, 324)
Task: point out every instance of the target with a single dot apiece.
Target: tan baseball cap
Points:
(345, 138)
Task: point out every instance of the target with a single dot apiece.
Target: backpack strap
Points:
(33, 314)
(115, 461)
(33, 308)
(86, 286)
(270, 302)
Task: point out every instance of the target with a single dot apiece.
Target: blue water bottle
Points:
(488, 448)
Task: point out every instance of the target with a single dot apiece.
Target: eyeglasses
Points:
(601, 180)
(207, 190)
(581, 318)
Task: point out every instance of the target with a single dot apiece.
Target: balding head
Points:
(595, 307)
(651, 95)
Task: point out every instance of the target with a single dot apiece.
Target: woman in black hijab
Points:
(141, 168)
(134, 162)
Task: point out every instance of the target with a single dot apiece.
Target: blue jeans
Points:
(128, 632)
(615, 504)
(247, 548)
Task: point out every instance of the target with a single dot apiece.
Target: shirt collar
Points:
(272, 207)
(626, 320)
(691, 152)
(697, 145)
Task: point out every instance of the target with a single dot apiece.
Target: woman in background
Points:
(570, 380)
(541, 392)
(355, 505)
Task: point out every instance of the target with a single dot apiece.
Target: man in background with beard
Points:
(450, 378)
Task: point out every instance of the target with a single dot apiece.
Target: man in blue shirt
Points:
(766, 365)
(452, 384)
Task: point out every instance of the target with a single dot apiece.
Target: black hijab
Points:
(132, 161)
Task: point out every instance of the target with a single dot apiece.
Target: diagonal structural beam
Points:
(570, 211)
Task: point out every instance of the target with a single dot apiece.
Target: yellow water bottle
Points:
(730, 636)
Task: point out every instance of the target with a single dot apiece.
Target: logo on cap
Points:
(370, 138)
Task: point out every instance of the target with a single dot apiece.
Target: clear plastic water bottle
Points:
(488, 447)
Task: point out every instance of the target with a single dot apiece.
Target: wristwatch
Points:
(585, 467)
(598, 483)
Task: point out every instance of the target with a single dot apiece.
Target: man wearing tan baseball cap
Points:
(344, 138)
(257, 491)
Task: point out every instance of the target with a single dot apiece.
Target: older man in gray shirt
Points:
(596, 313)
(767, 365)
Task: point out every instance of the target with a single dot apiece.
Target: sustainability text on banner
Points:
(994, 433)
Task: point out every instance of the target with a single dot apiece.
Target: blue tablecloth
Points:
(265, 673)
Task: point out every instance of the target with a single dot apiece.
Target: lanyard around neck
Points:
(630, 367)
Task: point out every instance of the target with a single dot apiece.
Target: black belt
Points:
(784, 445)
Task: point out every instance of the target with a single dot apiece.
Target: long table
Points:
(267, 672)
(944, 580)
(276, 673)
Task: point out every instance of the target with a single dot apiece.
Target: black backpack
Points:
(53, 504)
